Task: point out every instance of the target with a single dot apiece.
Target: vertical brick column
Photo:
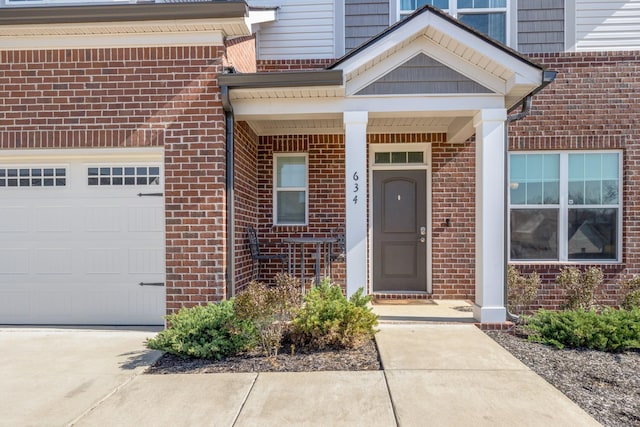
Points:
(195, 183)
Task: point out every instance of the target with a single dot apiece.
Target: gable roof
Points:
(427, 73)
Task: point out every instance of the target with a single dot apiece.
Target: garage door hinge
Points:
(149, 194)
(151, 283)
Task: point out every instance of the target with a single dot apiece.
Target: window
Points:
(565, 206)
(290, 189)
(398, 157)
(487, 16)
(33, 177)
(123, 175)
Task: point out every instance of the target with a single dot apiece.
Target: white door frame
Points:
(426, 166)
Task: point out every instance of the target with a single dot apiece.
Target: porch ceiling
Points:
(334, 126)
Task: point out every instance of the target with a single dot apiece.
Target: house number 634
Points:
(356, 187)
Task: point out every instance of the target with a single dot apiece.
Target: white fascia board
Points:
(441, 105)
(409, 30)
(111, 40)
(464, 67)
(261, 16)
(432, 50)
(460, 130)
(511, 62)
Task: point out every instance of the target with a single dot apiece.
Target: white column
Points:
(490, 204)
(355, 135)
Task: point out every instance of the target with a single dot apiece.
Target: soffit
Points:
(230, 18)
(330, 126)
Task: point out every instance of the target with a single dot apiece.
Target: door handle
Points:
(422, 239)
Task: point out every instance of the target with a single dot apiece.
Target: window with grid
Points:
(106, 176)
(33, 177)
(487, 16)
(565, 206)
(290, 189)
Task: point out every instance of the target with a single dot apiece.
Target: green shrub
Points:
(270, 309)
(209, 332)
(328, 319)
(630, 292)
(611, 330)
(522, 289)
(580, 287)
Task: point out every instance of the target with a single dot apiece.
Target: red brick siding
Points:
(241, 54)
(594, 103)
(126, 97)
(246, 199)
(326, 194)
(453, 198)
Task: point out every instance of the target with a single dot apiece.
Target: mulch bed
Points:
(364, 358)
(606, 385)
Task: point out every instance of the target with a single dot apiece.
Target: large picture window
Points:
(565, 206)
(487, 16)
(290, 189)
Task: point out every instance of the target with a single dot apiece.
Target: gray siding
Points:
(541, 26)
(425, 75)
(364, 19)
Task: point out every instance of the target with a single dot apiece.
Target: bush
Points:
(209, 332)
(328, 319)
(612, 330)
(522, 289)
(580, 287)
(630, 291)
(270, 309)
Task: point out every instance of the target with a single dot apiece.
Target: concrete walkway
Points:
(444, 374)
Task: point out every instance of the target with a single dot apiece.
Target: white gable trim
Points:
(462, 50)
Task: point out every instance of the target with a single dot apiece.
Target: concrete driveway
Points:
(51, 377)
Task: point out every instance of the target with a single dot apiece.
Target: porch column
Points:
(490, 168)
(355, 135)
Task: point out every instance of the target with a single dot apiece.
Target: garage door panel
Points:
(14, 261)
(146, 261)
(103, 261)
(53, 261)
(76, 253)
(146, 219)
(14, 219)
(53, 219)
(105, 219)
(12, 304)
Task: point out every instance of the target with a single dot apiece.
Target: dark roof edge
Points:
(281, 79)
(126, 12)
(445, 16)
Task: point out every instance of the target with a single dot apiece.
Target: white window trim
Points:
(510, 18)
(563, 210)
(305, 188)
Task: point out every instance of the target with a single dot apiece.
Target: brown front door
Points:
(399, 230)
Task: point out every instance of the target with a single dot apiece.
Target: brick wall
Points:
(453, 174)
(134, 97)
(246, 199)
(241, 54)
(593, 104)
(326, 194)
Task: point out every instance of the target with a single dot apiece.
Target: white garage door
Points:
(82, 238)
